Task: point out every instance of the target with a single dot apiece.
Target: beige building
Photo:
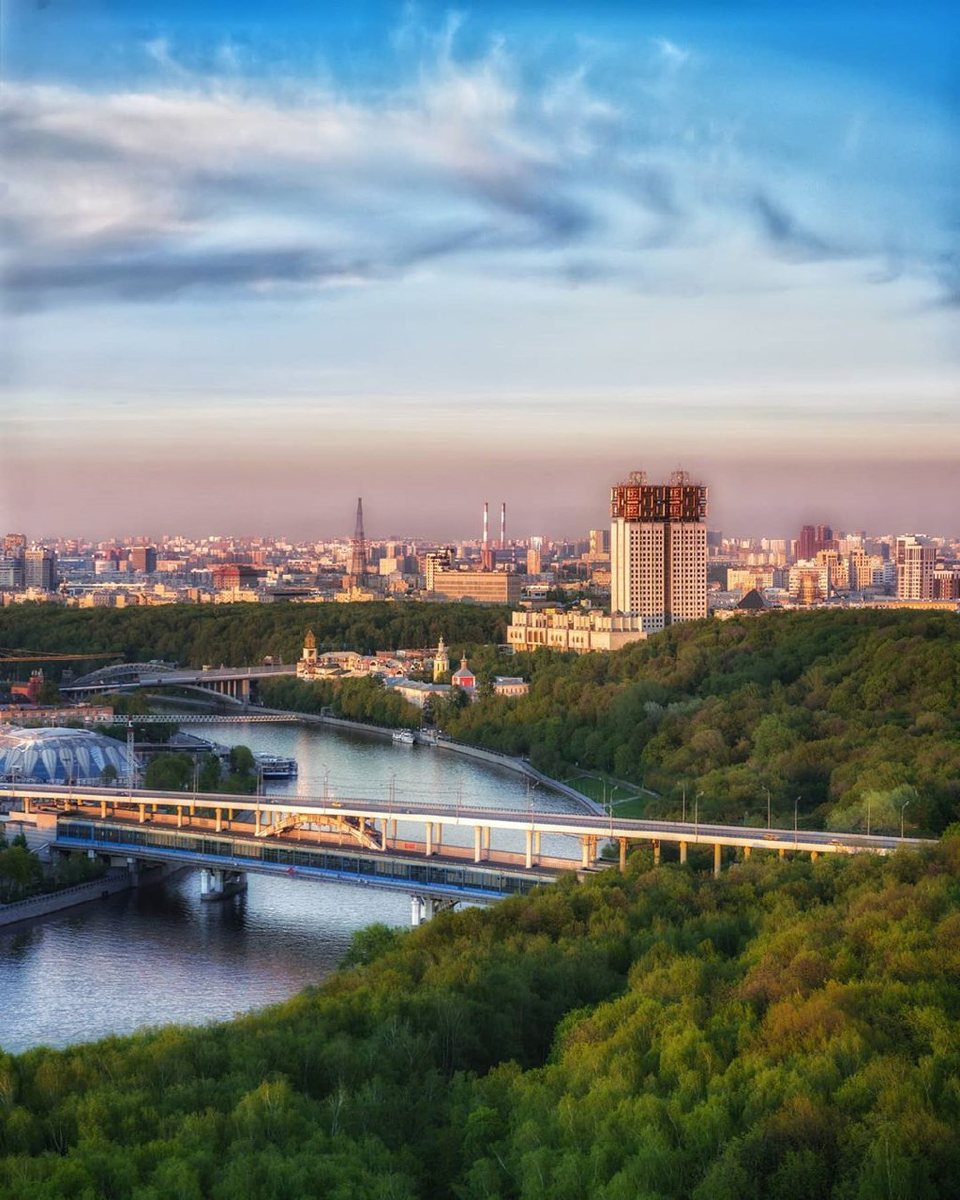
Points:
(580, 631)
(915, 566)
(658, 550)
(485, 587)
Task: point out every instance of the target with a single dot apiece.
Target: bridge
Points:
(367, 840)
(237, 684)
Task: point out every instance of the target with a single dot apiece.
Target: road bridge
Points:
(373, 823)
(236, 684)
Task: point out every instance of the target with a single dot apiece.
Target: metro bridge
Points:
(227, 835)
(237, 684)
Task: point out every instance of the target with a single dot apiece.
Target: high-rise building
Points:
(807, 544)
(14, 545)
(40, 569)
(658, 550)
(143, 559)
(915, 565)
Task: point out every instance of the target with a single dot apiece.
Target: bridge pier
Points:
(746, 852)
(623, 854)
(219, 885)
(428, 841)
(529, 861)
(656, 854)
(477, 838)
(425, 908)
(717, 857)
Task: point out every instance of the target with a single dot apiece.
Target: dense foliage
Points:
(240, 634)
(857, 713)
(23, 875)
(789, 1030)
(361, 699)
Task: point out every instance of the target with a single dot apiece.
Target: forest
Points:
(787, 1031)
(853, 716)
(241, 634)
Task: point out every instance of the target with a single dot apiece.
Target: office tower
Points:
(143, 559)
(915, 564)
(807, 544)
(14, 545)
(40, 569)
(658, 550)
(599, 542)
(860, 567)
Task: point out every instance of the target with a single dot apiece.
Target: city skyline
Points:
(255, 269)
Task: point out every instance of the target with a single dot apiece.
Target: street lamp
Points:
(696, 815)
(903, 809)
(767, 790)
(795, 804)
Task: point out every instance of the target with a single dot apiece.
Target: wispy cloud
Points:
(481, 163)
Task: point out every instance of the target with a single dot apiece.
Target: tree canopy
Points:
(787, 1030)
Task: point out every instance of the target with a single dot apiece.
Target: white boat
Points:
(403, 737)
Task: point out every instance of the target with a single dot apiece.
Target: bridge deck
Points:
(445, 876)
(580, 825)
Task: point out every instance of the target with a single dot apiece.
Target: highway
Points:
(583, 826)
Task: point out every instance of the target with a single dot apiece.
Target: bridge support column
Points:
(529, 862)
(143, 813)
(623, 854)
(585, 860)
(814, 855)
(477, 839)
(429, 838)
(219, 812)
(536, 845)
(219, 885)
(179, 816)
(683, 852)
(717, 857)
(656, 854)
(393, 830)
(256, 822)
(103, 810)
(486, 840)
(425, 908)
(746, 852)
(26, 805)
(384, 824)
(781, 853)
(439, 837)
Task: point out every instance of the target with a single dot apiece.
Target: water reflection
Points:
(159, 955)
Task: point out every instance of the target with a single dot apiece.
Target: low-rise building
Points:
(578, 630)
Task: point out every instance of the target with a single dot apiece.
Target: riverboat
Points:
(273, 766)
(404, 737)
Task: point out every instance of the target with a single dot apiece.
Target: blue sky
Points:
(256, 264)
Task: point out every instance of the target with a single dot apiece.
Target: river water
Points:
(158, 956)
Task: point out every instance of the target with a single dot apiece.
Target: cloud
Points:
(479, 162)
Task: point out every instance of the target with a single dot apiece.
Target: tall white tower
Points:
(658, 550)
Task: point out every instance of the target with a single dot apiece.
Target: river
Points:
(159, 956)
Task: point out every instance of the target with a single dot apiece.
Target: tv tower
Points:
(358, 548)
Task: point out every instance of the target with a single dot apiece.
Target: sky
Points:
(259, 260)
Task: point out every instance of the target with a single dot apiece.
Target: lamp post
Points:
(869, 807)
(795, 806)
(696, 816)
(903, 809)
(684, 817)
(767, 790)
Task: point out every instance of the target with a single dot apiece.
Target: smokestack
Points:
(486, 524)
(503, 525)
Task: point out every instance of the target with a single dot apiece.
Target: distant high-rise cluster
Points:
(658, 550)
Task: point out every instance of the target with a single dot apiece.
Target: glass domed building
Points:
(58, 755)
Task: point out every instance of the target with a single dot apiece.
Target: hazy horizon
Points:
(256, 267)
